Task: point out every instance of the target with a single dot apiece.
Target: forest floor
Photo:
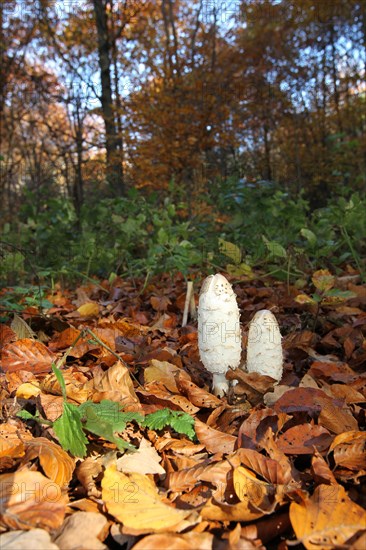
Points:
(268, 466)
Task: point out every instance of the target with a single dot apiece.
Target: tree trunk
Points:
(114, 165)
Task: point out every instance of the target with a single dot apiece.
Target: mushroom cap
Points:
(219, 335)
(264, 352)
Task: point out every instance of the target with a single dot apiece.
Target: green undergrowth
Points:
(244, 226)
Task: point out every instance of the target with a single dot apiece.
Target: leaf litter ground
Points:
(165, 463)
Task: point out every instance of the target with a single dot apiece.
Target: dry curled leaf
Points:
(27, 354)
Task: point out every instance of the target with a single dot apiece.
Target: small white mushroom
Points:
(264, 352)
(219, 335)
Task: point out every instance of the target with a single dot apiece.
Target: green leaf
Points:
(25, 415)
(181, 422)
(275, 248)
(230, 250)
(309, 235)
(69, 430)
(158, 420)
(60, 380)
(344, 294)
(104, 427)
(110, 412)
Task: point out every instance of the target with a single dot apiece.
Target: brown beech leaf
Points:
(338, 372)
(322, 474)
(219, 474)
(187, 478)
(188, 541)
(214, 440)
(266, 529)
(179, 446)
(252, 490)
(88, 527)
(254, 427)
(349, 450)
(301, 340)
(76, 385)
(12, 441)
(327, 519)
(303, 439)
(253, 384)
(64, 339)
(163, 371)
(155, 393)
(115, 384)
(349, 394)
(7, 335)
(304, 399)
(143, 461)
(56, 463)
(52, 405)
(269, 469)
(36, 538)
(199, 397)
(335, 419)
(29, 499)
(27, 354)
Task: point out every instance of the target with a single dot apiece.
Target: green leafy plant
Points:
(104, 419)
(17, 298)
(179, 421)
(325, 294)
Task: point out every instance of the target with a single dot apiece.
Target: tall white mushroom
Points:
(264, 351)
(219, 335)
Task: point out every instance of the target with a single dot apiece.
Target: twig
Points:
(95, 337)
(187, 303)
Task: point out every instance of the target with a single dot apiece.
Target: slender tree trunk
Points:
(78, 193)
(114, 165)
(267, 154)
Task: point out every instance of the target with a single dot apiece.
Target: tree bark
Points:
(114, 162)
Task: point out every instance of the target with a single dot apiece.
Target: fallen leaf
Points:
(163, 371)
(188, 541)
(55, 462)
(29, 499)
(83, 530)
(90, 309)
(304, 439)
(28, 390)
(134, 500)
(144, 461)
(27, 354)
(116, 384)
(214, 440)
(36, 539)
(349, 450)
(327, 519)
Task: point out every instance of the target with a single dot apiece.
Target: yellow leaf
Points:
(304, 299)
(240, 270)
(90, 309)
(134, 500)
(323, 280)
(251, 489)
(327, 519)
(28, 390)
